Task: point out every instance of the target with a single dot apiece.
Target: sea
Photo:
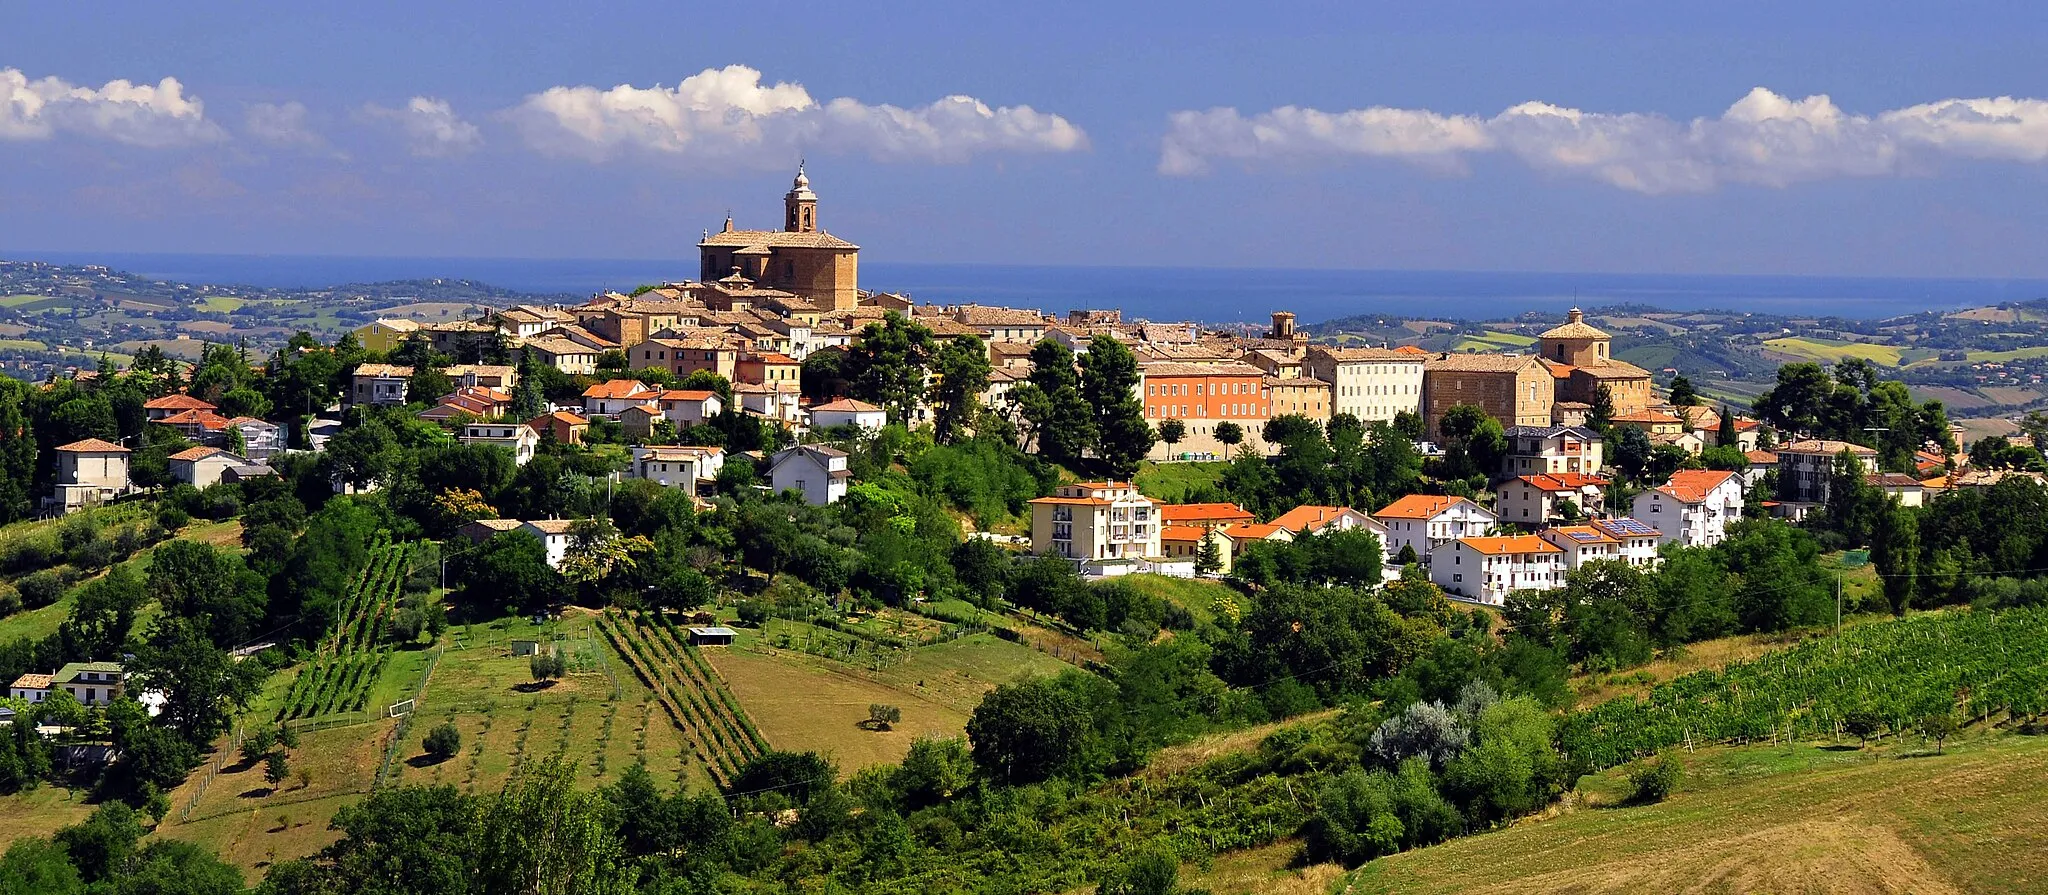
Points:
(1206, 294)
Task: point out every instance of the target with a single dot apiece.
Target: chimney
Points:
(1578, 316)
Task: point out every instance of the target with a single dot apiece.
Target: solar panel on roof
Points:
(1629, 525)
(1583, 536)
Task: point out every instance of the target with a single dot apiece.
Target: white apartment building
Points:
(1429, 521)
(1694, 508)
(1582, 544)
(1096, 520)
(1805, 467)
(677, 467)
(817, 472)
(1487, 569)
(519, 438)
(1553, 449)
(1638, 539)
(1537, 499)
(1368, 383)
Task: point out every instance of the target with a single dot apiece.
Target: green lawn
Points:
(1833, 350)
(1171, 482)
(21, 345)
(1771, 818)
(1197, 595)
(2001, 356)
(221, 303)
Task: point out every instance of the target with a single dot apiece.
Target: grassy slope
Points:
(1197, 595)
(1171, 482)
(1773, 819)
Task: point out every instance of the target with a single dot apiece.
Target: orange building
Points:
(1201, 396)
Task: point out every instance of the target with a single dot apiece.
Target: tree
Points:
(1110, 383)
(1171, 432)
(1059, 424)
(1230, 435)
(443, 741)
(1474, 442)
(195, 580)
(275, 769)
(545, 667)
(1653, 782)
(1895, 550)
(1152, 872)
(1939, 727)
(17, 451)
(1028, 731)
(887, 365)
(102, 846)
(597, 549)
(37, 866)
(1209, 555)
(510, 569)
(202, 686)
(528, 401)
(1682, 394)
(258, 744)
(1601, 417)
(1726, 435)
(883, 717)
(960, 371)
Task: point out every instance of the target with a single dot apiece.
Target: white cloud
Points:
(1764, 139)
(281, 124)
(728, 114)
(431, 127)
(149, 115)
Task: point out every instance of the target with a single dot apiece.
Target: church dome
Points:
(1575, 328)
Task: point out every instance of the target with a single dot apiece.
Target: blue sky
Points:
(1602, 136)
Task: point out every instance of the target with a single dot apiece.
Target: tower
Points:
(800, 205)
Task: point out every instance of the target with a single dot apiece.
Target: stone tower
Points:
(800, 205)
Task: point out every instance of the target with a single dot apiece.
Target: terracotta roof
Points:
(846, 405)
(1744, 424)
(1419, 506)
(33, 682)
(621, 389)
(1182, 512)
(688, 395)
(1892, 480)
(1760, 458)
(1587, 534)
(501, 371)
(178, 402)
(1411, 349)
(246, 420)
(1312, 518)
(1301, 382)
(770, 357)
(1650, 417)
(383, 371)
(1481, 363)
(198, 453)
(1692, 485)
(681, 453)
(552, 526)
(558, 345)
(92, 446)
(205, 419)
(1575, 328)
(1173, 368)
(1368, 354)
(1510, 545)
(1255, 531)
(1824, 446)
(1181, 532)
(983, 315)
(776, 239)
(1077, 501)
(561, 416)
(1614, 369)
(1563, 481)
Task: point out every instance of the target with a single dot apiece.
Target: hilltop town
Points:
(830, 565)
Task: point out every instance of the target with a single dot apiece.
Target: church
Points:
(1580, 356)
(800, 258)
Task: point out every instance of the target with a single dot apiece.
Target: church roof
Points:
(1575, 328)
(776, 239)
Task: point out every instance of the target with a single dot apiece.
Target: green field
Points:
(222, 304)
(2001, 356)
(1171, 482)
(1803, 818)
(1834, 350)
(22, 345)
(1493, 340)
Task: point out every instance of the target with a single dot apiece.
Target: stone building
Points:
(800, 258)
(1517, 390)
(1581, 356)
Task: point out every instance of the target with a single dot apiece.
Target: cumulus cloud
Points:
(149, 115)
(431, 127)
(1764, 139)
(281, 124)
(729, 114)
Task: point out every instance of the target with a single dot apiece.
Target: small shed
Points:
(713, 636)
(525, 647)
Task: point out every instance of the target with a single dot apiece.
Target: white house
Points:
(775, 400)
(819, 472)
(612, 398)
(519, 438)
(89, 473)
(1089, 521)
(203, 466)
(1428, 521)
(677, 467)
(1534, 449)
(91, 683)
(553, 535)
(379, 384)
(260, 440)
(847, 411)
(688, 407)
(1487, 569)
(1694, 508)
(1582, 544)
(1638, 539)
(30, 688)
(1536, 499)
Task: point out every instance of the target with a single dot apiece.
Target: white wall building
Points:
(1487, 569)
(816, 471)
(1638, 539)
(1553, 449)
(519, 438)
(1096, 520)
(1368, 383)
(1694, 508)
(1536, 499)
(1428, 521)
(677, 467)
(847, 411)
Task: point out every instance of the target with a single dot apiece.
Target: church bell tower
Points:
(800, 205)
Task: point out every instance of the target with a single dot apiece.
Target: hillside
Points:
(1772, 819)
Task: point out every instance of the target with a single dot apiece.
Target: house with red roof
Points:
(847, 411)
(89, 473)
(1425, 522)
(1538, 500)
(169, 405)
(610, 399)
(1487, 569)
(1694, 508)
(1204, 514)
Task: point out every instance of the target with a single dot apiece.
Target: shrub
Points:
(545, 667)
(752, 614)
(40, 589)
(443, 741)
(172, 518)
(1653, 782)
